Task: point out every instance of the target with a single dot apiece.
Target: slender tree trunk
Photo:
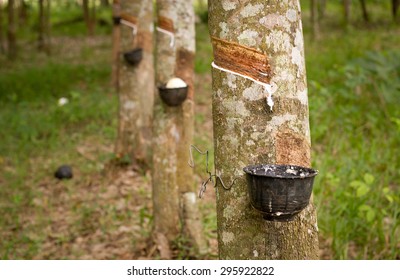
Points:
(265, 43)
(105, 3)
(22, 13)
(173, 126)
(364, 10)
(89, 14)
(116, 42)
(321, 8)
(314, 18)
(11, 30)
(44, 26)
(395, 8)
(2, 47)
(136, 86)
(346, 11)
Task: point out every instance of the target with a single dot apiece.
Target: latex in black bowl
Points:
(173, 96)
(133, 57)
(279, 192)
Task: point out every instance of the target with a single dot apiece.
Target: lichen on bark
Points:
(247, 132)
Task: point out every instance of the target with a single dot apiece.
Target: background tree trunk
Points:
(2, 47)
(247, 132)
(173, 126)
(23, 13)
(89, 14)
(11, 30)
(314, 18)
(321, 8)
(346, 11)
(136, 86)
(395, 8)
(364, 10)
(116, 43)
(44, 26)
(105, 3)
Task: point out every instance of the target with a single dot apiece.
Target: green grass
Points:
(354, 92)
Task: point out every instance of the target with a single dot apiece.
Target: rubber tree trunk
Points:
(173, 126)
(269, 37)
(11, 30)
(116, 43)
(136, 85)
(44, 26)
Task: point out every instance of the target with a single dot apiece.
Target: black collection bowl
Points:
(173, 96)
(279, 192)
(133, 57)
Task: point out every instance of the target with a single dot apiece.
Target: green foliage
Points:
(358, 204)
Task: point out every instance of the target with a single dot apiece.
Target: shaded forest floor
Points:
(105, 211)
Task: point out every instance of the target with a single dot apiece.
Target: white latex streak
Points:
(170, 34)
(267, 87)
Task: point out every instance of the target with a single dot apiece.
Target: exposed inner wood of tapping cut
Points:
(241, 59)
(292, 148)
(166, 24)
(129, 18)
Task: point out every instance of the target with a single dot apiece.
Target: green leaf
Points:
(356, 184)
(362, 190)
(390, 198)
(369, 179)
(370, 215)
(364, 208)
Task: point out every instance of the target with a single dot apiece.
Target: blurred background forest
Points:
(57, 105)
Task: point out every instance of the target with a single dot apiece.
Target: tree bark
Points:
(136, 86)
(364, 10)
(247, 132)
(11, 30)
(116, 43)
(314, 18)
(173, 126)
(44, 26)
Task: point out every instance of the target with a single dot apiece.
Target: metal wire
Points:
(211, 177)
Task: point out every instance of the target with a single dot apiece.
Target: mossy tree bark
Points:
(136, 84)
(173, 126)
(247, 132)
